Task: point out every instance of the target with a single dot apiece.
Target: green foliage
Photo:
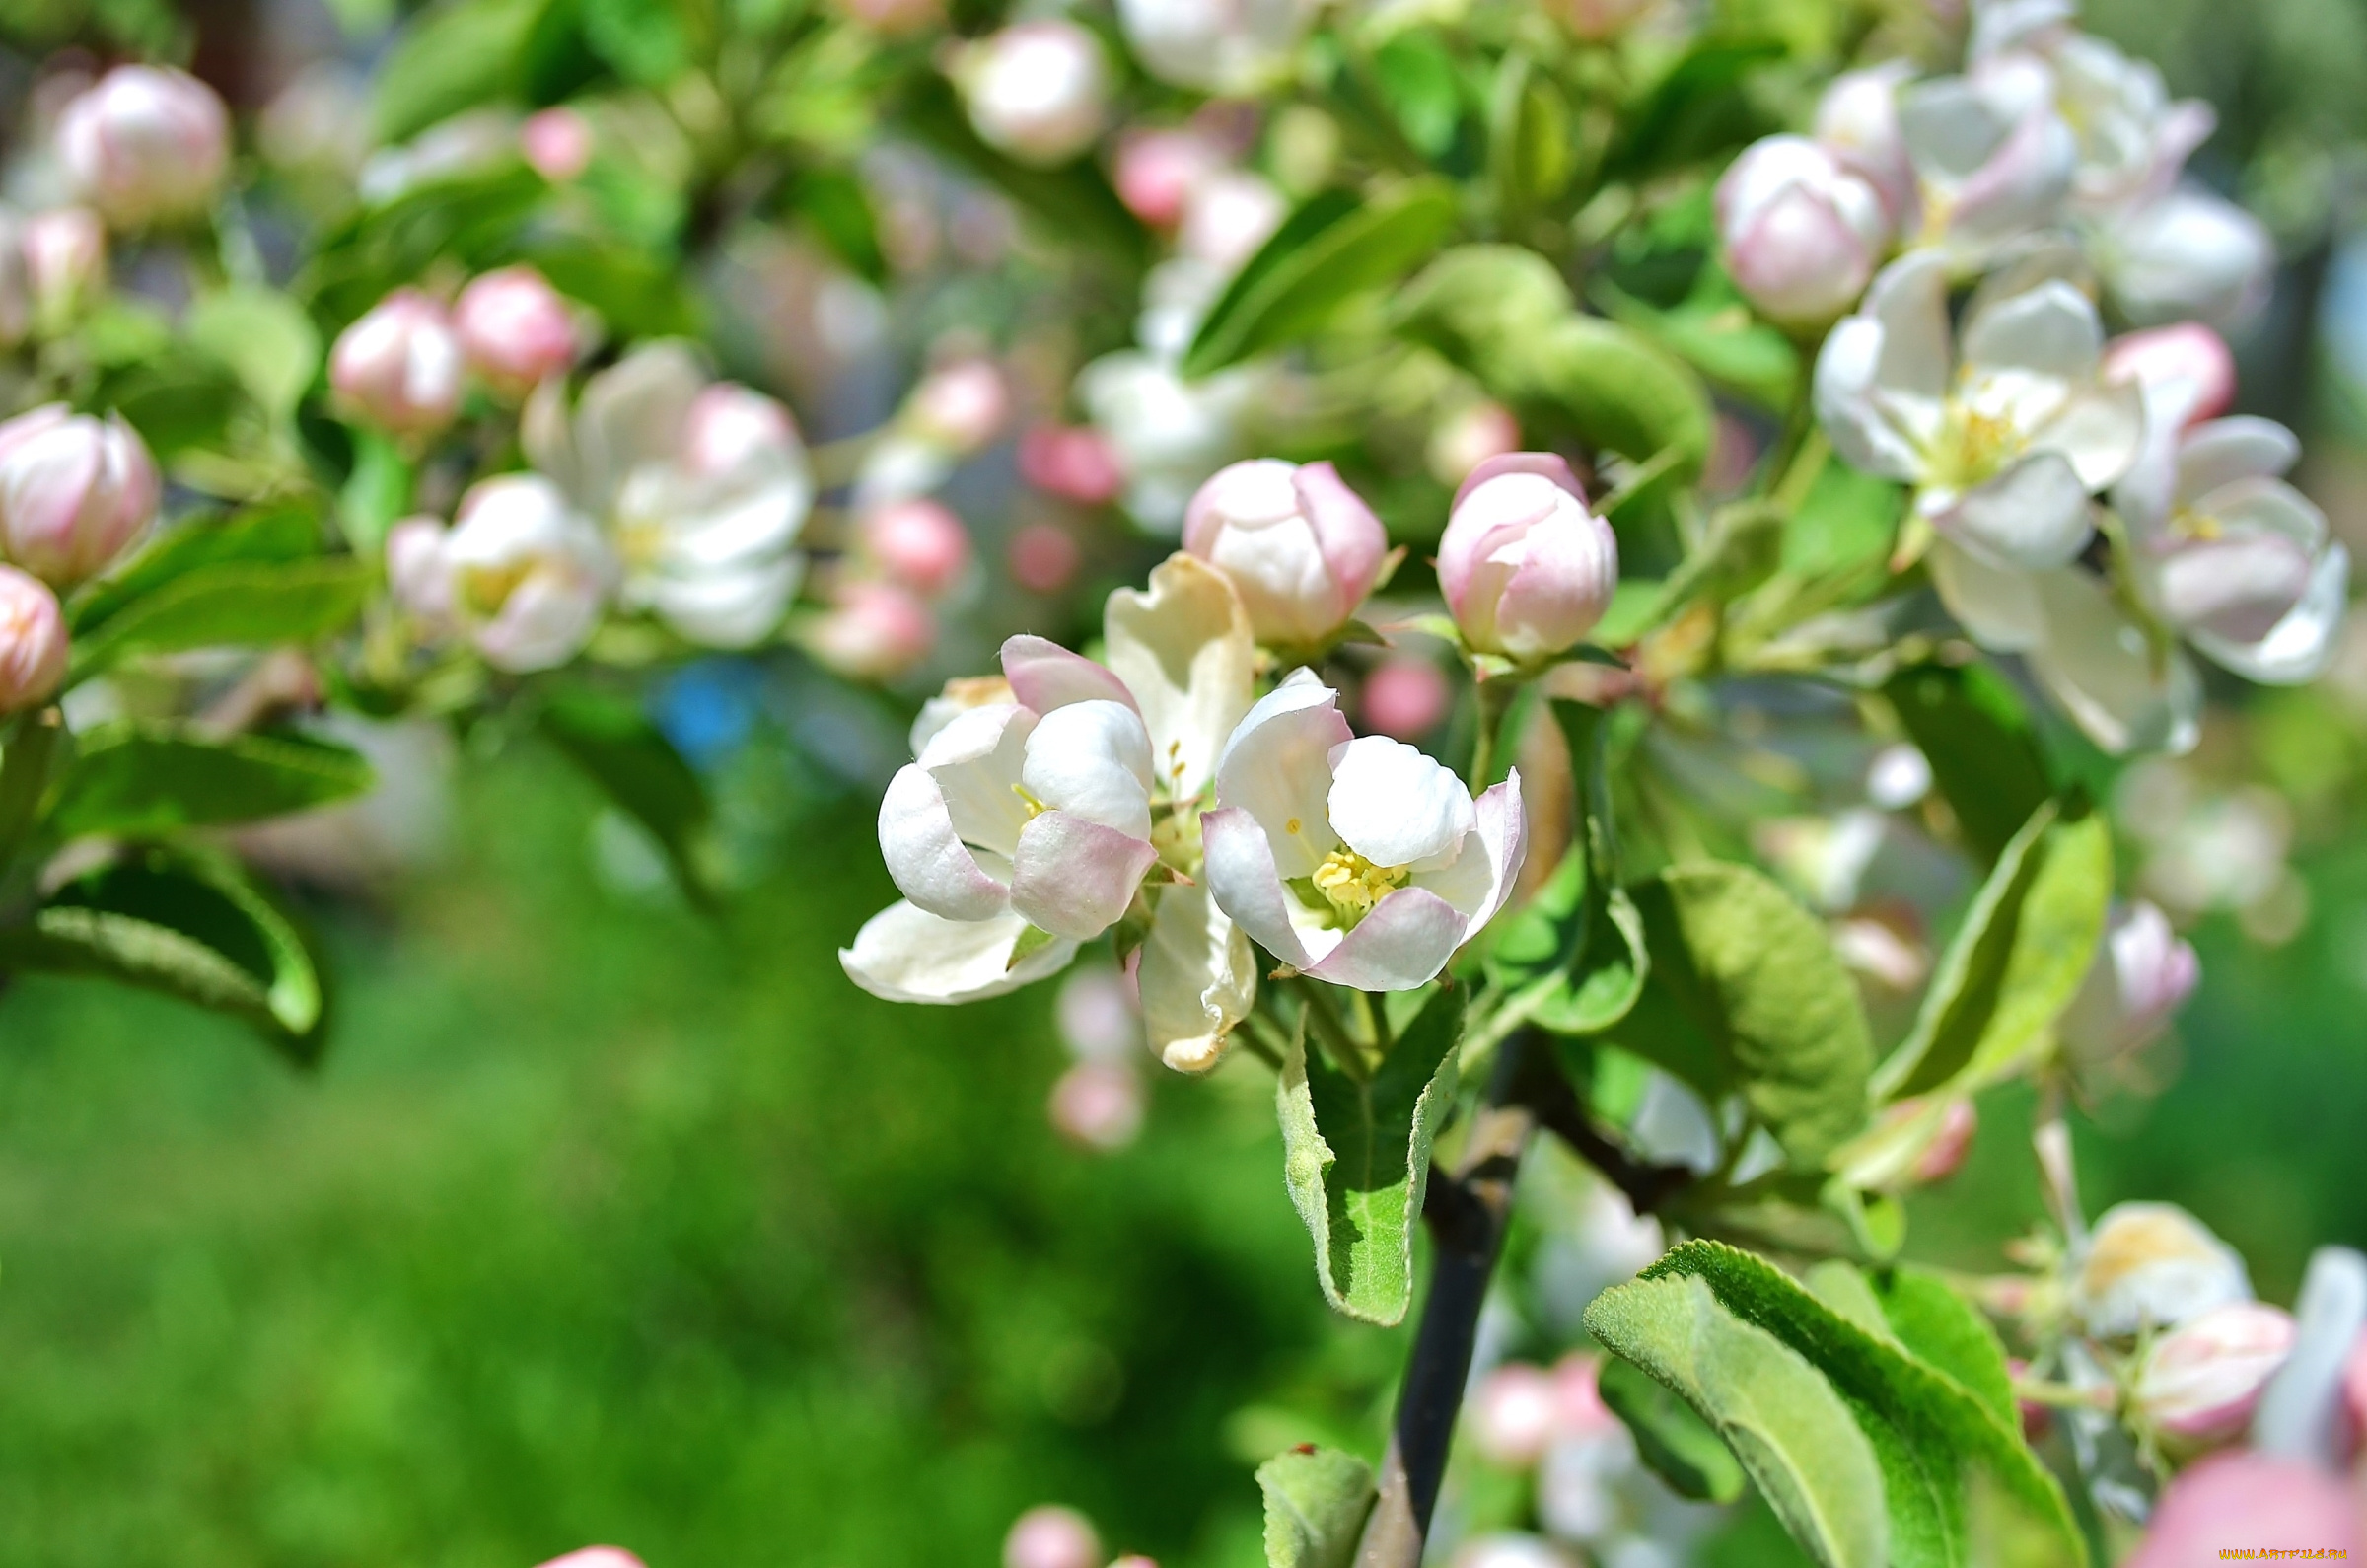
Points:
(135, 779)
(2015, 963)
(642, 40)
(1530, 152)
(1940, 1329)
(1315, 1502)
(461, 54)
(1671, 1436)
(1747, 995)
(616, 745)
(1356, 1157)
(1984, 755)
(471, 219)
(1696, 110)
(1334, 247)
(1933, 1439)
(1074, 201)
(265, 339)
(187, 924)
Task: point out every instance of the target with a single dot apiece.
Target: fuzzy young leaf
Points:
(1315, 1503)
(143, 780)
(1984, 756)
(235, 606)
(265, 339)
(2016, 963)
(1671, 1436)
(1940, 1329)
(616, 745)
(1356, 1157)
(1781, 1421)
(189, 925)
(275, 534)
(1310, 268)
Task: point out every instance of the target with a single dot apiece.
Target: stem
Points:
(31, 744)
(1495, 698)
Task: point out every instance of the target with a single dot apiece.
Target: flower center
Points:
(1972, 446)
(1352, 885)
(485, 588)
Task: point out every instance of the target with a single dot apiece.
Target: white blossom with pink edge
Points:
(1361, 862)
(1037, 90)
(2153, 1266)
(33, 641)
(1801, 232)
(75, 492)
(520, 573)
(2197, 1385)
(1300, 548)
(1029, 819)
(1233, 48)
(701, 486)
(1527, 567)
(1993, 161)
(146, 145)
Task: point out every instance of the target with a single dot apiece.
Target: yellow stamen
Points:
(1353, 884)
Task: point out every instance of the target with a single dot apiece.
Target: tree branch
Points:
(1548, 1094)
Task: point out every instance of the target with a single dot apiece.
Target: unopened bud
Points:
(1527, 568)
(2244, 1498)
(419, 571)
(75, 492)
(1947, 1150)
(1072, 461)
(1802, 235)
(1467, 438)
(399, 366)
(597, 1557)
(1857, 119)
(514, 328)
(529, 576)
(919, 543)
(1097, 1106)
(556, 143)
(873, 631)
(33, 641)
(2153, 1266)
(1300, 547)
(1515, 1415)
(1158, 170)
(1043, 557)
(1052, 1537)
(961, 406)
(1405, 698)
(2187, 372)
(2199, 1383)
(146, 145)
(65, 264)
(2142, 974)
(1037, 90)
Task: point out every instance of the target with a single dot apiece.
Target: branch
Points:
(1545, 1091)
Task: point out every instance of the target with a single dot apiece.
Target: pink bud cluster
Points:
(405, 365)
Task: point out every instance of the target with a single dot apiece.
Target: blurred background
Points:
(606, 1220)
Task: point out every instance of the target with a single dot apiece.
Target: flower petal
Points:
(907, 955)
(2047, 330)
(2236, 587)
(1243, 881)
(1094, 760)
(1198, 979)
(2107, 676)
(1185, 651)
(1350, 537)
(975, 758)
(2303, 643)
(1044, 675)
(1277, 766)
(1482, 876)
(1073, 876)
(926, 854)
(1910, 299)
(1395, 804)
(2033, 515)
(632, 414)
(1997, 605)
(1402, 943)
(1845, 405)
(2101, 431)
(2227, 449)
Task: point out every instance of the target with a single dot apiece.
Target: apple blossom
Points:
(1801, 233)
(1167, 434)
(1097, 1106)
(702, 489)
(1857, 122)
(872, 632)
(1072, 461)
(2143, 972)
(146, 145)
(556, 143)
(400, 365)
(2190, 254)
(1031, 819)
(1528, 569)
(1230, 46)
(75, 492)
(527, 574)
(33, 641)
(1157, 171)
(1361, 862)
(514, 328)
(2153, 1266)
(65, 264)
(418, 573)
(960, 406)
(1298, 545)
(2197, 1385)
(918, 542)
(1993, 161)
(1468, 437)
(2186, 370)
(1037, 90)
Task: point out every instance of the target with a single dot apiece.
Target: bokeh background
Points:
(605, 1220)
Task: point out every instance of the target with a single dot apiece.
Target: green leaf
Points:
(189, 925)
(1671, 1436)
(1073, 201)
(2015, 963)
(180, 399)
(638, 293)
(471, 219)
(455, 56)
(265, 339)
(615, 743)
(1985, 756)
(837, 207)
(1356, 1157)
(1424, 92)
(1303, 274)
(1931, 1436)
(1697, 109)
(1529, 149)
(142, 780)
(1745, 984)
(1714, 332)
(1780, 1419)
(1941, 1329)
(1846, 526)
(235, 605)
(1315, 1503)
(377, 493)
(642, 40)
(281, 533)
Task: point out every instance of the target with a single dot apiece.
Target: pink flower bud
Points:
(1072, 461)
(960, 406)
(2142, 974)
(1299, 546)
(1802, 235)
(1037, 90)
(418, 572)
(1228, 216)
(731, 429)
(75, 492)
(556, 143)
(399, 366)
(1158, 170)
(1052, 1537)
(1467, 438)
(514, 328)
(873, 631)
(1858, 121)
(65, 263)
(1405, 698)
(2187, 371)
(33, 641)
(2251, 1503)
(1946, 1152)
(1527, 568)
(597, 1557)
(919, 543)
(1043, 557)
(2199, 1383)
(146, 145)
(1097, 1106)
(1515, 1415)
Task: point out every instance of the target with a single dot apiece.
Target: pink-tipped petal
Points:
(1351, 539)
(925, 855)
(1243, 881)
(1552, 464)
(1402, 943)
(1074, 878)
(1044, 675)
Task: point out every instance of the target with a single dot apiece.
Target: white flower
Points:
(2190, 254)
(2153, 1266)
(400, 365)
(1229, 46)
(1802, 234)
(1993, 161)
(523, 573)
(1037, 90)
(1857, 120)
(1029, 818)
(701, 486)
(1361, 862)
(146, 145)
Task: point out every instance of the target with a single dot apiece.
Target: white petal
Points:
(1242, 879)
(732, 607)
(1845, 405)
(1075, 878)
(1402, 943)
(1198, 979)
(1185, 650)
(976, 760)
(1909, 298)
(1482, 876)
(2034, 513)
(907, 955)
(2051, 331)
(2304, 642)
(1092, 758)
(2227, 449)
(2101, 667)
(926, 854)
(1997, 605)
(1395, 804)
(2101, 430)
(632, 414)
(1278, 766)
(1044, 675)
